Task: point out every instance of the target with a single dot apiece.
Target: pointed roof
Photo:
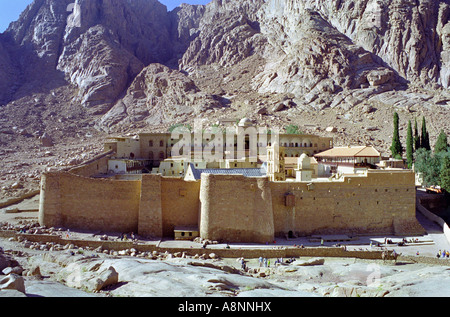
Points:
(354, 151)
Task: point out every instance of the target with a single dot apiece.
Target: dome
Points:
(304, 162)
(245, 122)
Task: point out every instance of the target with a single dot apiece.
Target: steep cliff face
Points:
(310, 58)
(228, 33)
(100, 47)
(317, 54)
(8, 75)
(406, 35)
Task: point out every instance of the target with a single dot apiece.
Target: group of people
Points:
(443, 254)
(125, 237)
(264, 262)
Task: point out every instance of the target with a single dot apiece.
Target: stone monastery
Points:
(295, 185)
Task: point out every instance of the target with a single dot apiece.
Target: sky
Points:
(10, 9)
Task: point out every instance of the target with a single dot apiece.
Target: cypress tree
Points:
(409, 146)
(396, 147)
(416, 136)
(425, 138)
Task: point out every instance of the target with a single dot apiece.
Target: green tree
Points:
(445, 173)
(292, 129)
(441, 143)
(425, 138)
(416, 136)
(396, 147)
(409, 146)
(429, 165)
(180, 127)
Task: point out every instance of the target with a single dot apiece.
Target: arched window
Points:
(161, 155)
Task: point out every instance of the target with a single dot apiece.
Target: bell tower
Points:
(275, 163)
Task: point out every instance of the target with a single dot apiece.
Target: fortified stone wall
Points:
(236, 209)
(379, 203)
(166, 203)
(232, 208)
(180, 204)
(77, 202)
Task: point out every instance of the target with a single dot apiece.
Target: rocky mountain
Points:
(91, 67)
(318, 53)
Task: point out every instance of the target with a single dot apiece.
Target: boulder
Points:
(262, 111)
(34, 271)
(91, 279)
(106, 278)
(7, 261)
(46, 140)
(311, 262)
(279, 107)
(379, 77)
(13, 270)
(12, 282)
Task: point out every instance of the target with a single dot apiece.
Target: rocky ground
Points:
(65, 270)
(82, 272)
